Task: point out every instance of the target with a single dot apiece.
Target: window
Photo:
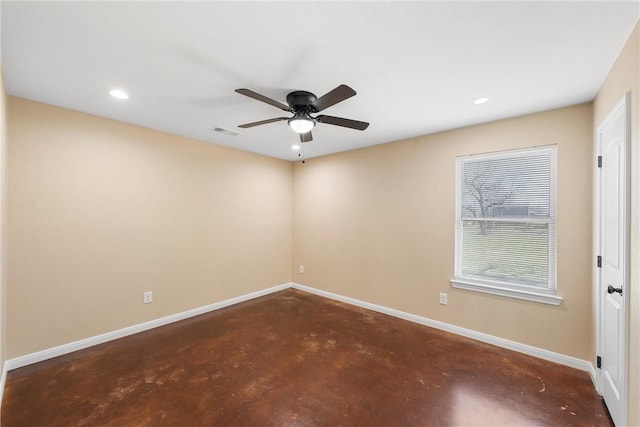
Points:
(506, 224)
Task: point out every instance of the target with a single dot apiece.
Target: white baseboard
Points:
(479, 336)
(594, 376)
(40, 356)
(60, 350)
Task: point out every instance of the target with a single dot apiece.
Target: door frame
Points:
(599, 296)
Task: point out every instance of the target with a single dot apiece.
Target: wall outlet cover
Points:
(443, 298)
(147, 297)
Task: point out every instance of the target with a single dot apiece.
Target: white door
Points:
(611, 285)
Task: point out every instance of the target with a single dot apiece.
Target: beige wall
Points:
(100, 211)
(377, 224)
(3, 219)
(625, 77)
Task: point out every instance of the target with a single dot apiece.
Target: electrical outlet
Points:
(443, 299)
(147, 297)
(301, 268)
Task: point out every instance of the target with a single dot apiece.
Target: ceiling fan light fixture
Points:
(301, 123)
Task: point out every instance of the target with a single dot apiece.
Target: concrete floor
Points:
(296, 359)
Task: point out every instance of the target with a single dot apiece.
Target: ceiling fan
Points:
(303, 104)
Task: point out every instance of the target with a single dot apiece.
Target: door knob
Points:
(611, 290)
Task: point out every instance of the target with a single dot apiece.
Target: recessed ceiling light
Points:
(295, 147)
(482, 100)
(119, 94)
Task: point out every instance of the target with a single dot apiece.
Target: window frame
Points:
(548, 294)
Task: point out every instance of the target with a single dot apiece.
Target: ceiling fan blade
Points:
(338, 94)
(339, 121)
(262, 122)
(262, 98)
(306, 137)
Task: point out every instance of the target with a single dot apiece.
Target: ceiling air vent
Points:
(225, 131)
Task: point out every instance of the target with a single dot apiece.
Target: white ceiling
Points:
(416, 66)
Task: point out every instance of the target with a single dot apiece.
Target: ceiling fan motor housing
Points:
(301, 100)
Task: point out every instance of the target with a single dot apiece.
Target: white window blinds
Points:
(505, 221)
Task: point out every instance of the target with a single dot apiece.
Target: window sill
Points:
(506, 292)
